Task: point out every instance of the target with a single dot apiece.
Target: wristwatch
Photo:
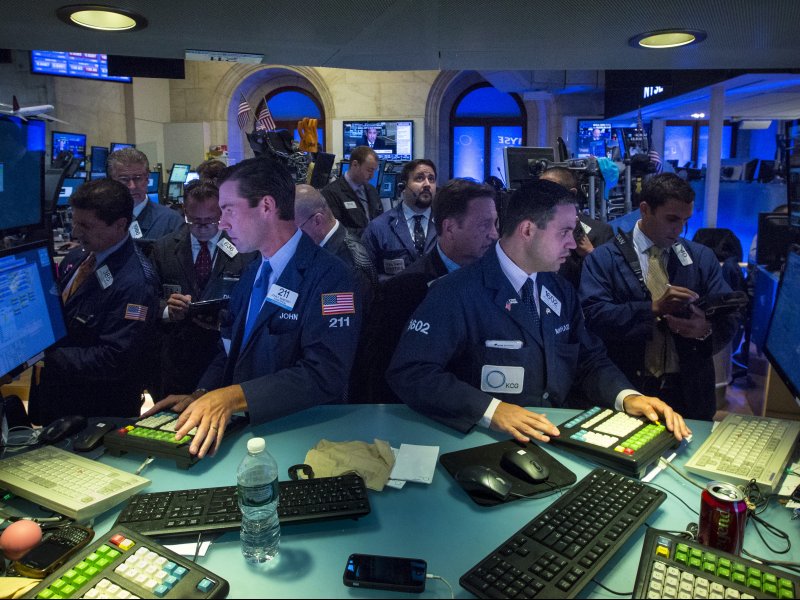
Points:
(705, 336)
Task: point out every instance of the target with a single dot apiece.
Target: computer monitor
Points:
(775, 235)
(393, 140)
(323, 165)
(388, 187)
(120, 145)
(153, 182)
(98, 157)
(178, 173)
(592, 138)
(781, 345)
(793, 186)
(522, 163)
(67, 189)
(30, 306)
(96, 175)
(192, 176)
(71, 142)
(22, 149)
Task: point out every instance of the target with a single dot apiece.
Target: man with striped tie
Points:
(110, 294)
(295, 314)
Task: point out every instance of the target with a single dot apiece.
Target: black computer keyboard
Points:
(125, 564)
(673, 567)
(217, 509)
(558, 552)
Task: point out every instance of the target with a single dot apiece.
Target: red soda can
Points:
(723, 516)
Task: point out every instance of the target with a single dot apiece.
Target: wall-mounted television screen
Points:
(610, 140)
(21, 174)
(391, 140)
(73, 64)
(71, 142)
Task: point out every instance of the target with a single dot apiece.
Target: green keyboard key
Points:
(770, 588)
(46, 593)
(696, 563)
(709, 567)
(724, 562)
(681, 557)
(754, 583)
(724, 572)
(738, 577)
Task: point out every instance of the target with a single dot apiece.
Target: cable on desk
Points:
(447, 583)
(31, 438)
(790, 566)
(197, 547)
(661, 487)
(144, 464)
(545, 494)
(666, 463)
(610, 591)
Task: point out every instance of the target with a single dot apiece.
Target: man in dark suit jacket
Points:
(505, 333)
(353, 200)
(110, 293)
(197, 262)
(313, 216)
(401, 236)
(151, 221)
(371, 139)
(466, 225)
(663, 343)
(295, 314)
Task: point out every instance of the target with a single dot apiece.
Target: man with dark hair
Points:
(210, 169)
(466, 225)
(110, 294)
(590, 233)
(353, 200)
(295, 314)
(638, 295)
(313, 216)
(505, 333)
(401, 236)
(371, 139)
(151, 220)
(198, 262)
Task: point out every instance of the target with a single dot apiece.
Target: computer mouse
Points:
(92, 437)
(522, 464)
(61, 428)
(483, 481)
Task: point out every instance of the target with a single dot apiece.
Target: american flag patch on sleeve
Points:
(338, 303)
(136, 312)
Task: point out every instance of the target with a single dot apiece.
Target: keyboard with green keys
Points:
(125, 564)
(155, 436)
(673, 567)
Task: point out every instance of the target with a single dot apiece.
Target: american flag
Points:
(338, 303)
(136, 312)
(243, 116)
(264, 120)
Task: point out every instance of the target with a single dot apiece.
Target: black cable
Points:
(545, 494)
(675, 495)
(789, 566)
(610, 591)
(774, 531)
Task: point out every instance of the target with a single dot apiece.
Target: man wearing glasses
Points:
(195, 263)
(151, 220)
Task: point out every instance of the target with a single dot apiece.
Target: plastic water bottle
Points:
(257, 479)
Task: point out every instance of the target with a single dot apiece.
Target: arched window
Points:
(288, 105)
(483, 121)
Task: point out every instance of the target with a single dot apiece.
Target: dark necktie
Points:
(362, 196)
(85, 269)
(419, 235)
(529, 301)
(257, 298)
(202, 266)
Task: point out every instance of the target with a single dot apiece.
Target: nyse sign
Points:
(649, 91)
(503, 140)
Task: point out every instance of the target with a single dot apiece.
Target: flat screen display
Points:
(67, 189)
(119, 146)
(22, 149)
(611, 140)
(178, 173)
(71, 142)
(30, 306)
(83, 65)
(98, 158)
(391, 140)
(519, 161)
(781, 345)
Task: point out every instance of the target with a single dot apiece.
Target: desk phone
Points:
(155, 436)
(624, 443)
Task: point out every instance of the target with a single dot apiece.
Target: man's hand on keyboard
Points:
(174, 402)
(210, 413)
(654, 409)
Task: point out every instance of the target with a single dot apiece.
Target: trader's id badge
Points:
(227, 247)
(496, 379)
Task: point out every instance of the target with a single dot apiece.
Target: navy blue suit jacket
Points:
(294, 358)
(387, 237)
(437, 366)
(620, 312)
(157, 220)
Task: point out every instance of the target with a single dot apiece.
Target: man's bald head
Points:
(312, 213)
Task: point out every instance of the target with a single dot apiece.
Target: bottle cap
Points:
(256, 445)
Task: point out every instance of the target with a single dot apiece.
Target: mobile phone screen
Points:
(386, 571)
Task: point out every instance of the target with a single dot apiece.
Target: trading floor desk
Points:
(435, 522)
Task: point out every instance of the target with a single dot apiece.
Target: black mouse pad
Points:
(490, 456)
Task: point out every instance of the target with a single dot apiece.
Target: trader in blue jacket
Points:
(506, 332)
(644, 313)
(295, 314)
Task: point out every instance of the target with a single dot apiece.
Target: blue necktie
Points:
(257, 298)
(530, 303)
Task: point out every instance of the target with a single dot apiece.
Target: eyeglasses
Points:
(136, 179)
(196, 223)
(307, 220)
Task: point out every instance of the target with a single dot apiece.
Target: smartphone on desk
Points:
(53, 551)
(385, 573)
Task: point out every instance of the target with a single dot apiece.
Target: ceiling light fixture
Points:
(101, 18)
(667, 38)
(698, 115)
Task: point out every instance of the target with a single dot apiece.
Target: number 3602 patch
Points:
(419, 326)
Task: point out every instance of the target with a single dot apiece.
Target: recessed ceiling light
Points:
(667, 38)
(698, 115)
(101, 18)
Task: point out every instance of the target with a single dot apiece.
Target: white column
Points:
(715, 121)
